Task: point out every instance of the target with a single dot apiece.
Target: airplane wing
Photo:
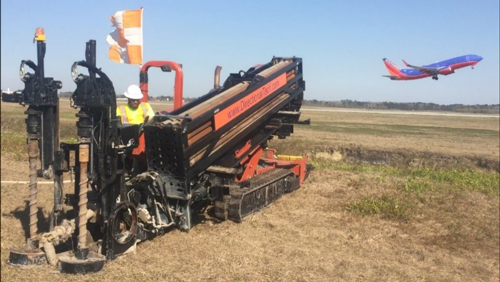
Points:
(424, 69)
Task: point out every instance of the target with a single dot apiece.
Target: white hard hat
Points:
(133, 92)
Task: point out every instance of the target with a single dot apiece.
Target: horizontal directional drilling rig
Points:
(213, 151)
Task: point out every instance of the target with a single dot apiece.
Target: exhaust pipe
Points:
(217, 77)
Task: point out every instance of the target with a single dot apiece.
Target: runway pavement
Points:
(395, 112)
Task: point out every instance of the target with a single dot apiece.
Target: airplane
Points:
(445, 67)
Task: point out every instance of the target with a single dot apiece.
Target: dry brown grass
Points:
(309, 235)
(457, 136)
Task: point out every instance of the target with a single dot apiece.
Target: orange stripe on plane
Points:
(242, 105)
(392, 68)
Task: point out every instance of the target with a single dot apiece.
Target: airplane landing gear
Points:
(435, 77)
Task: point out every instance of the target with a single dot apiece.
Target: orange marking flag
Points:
(240, 106)
(126, 39)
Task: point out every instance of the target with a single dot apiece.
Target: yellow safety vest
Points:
(137, 116)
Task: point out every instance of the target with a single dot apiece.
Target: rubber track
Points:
(262, 190)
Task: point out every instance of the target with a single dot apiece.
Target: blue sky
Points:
(342, 43)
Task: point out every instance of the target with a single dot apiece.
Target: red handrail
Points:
(179, 78)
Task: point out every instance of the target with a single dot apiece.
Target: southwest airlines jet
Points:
(445, 67)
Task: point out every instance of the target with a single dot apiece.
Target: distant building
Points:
(8, 91)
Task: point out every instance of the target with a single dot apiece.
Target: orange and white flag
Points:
(126, 39)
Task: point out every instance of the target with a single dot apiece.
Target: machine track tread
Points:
(259, 192)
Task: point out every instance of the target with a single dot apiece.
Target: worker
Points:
(135, 112)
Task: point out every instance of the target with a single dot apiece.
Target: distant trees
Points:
(413, 106)
(68, 94)
(170, 98)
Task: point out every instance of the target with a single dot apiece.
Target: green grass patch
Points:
(418, 186)
(14, 144)
(13, 123)
(425, 179)
(386, 206)
(69, 140)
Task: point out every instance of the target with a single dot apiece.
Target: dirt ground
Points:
(307, 235)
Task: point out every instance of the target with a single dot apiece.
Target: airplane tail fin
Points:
(393, 69)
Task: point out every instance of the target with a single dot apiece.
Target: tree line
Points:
(413, 106)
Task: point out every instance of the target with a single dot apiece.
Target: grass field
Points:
(391, 198)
